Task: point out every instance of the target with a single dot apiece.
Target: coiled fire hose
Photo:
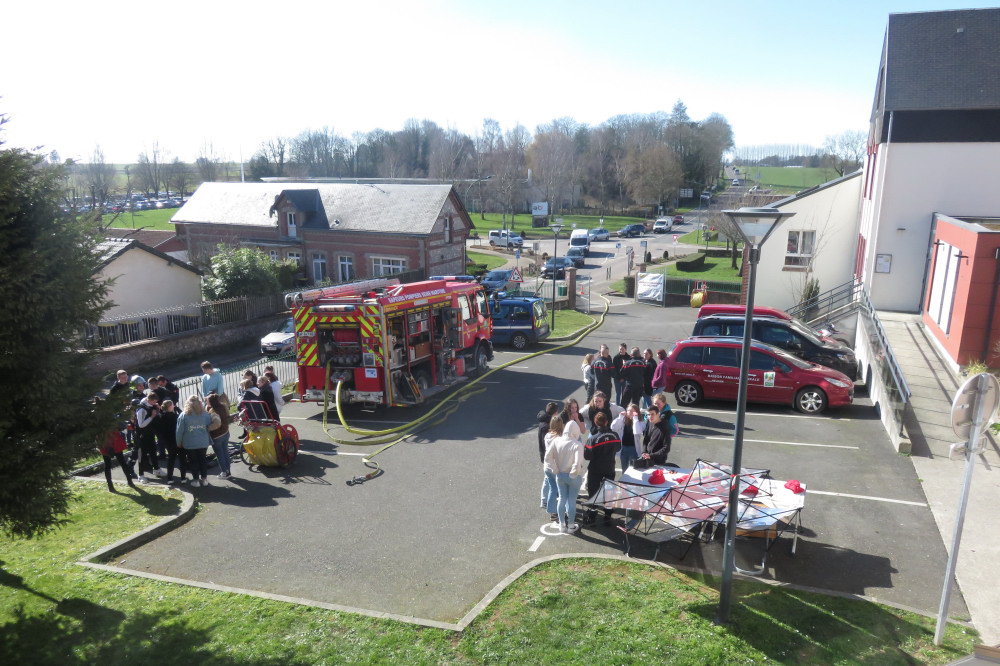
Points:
(446, 407)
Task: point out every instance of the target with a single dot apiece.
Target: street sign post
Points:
(972, 410)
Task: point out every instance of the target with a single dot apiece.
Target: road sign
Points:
(517, 253)
(675, 238)
(515, 276)
(968, 398)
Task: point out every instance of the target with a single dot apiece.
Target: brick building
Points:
(337, 231)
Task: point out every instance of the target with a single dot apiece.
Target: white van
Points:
(580, 238)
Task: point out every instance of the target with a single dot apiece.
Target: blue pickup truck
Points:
(519, 321)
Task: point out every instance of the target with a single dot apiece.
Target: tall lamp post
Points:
(556, 228)
(465, 254)
(754, 225)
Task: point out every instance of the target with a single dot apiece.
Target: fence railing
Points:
(686, 285)
(284, 367)
(166, 322)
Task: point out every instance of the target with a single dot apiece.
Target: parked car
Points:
(678, 219)
(279, 341)
(576, 255)
(662, 226)
(599, 234)
(557, 265)
(519, 321)
(505, 238)
(788, 334)
(496, 280)
(709, 367)
(631, 230)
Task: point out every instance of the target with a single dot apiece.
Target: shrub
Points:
(694, 262)
(649, 258)
(666, 255)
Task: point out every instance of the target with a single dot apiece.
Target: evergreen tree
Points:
(49, 289)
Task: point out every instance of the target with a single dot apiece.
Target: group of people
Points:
(157, 433)
(599, 433)
(629, 374)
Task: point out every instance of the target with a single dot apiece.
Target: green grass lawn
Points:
(569, 322)
(522, 224)
(490, 260)
(788, 178)
(716, 268)
(573, 611)
(150, 219)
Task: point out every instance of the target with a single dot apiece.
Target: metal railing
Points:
(285, 368)
(837, 302)
(685, 286)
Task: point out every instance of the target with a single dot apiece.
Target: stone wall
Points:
(193, 344)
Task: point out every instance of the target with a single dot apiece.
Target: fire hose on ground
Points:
(446, 408)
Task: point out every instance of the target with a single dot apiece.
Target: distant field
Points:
(149, 219)
(523, 223)
(791, 178)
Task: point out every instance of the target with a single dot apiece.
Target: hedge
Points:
(695, 262)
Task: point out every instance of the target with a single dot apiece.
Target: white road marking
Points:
(866, 497)
(332, 453)
(536, 544)
(749, 413)
(773, 441)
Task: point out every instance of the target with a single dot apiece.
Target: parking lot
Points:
(456, 510)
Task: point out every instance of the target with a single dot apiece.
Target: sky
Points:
(125, 76)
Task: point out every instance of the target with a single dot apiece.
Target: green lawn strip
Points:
(522, 224)
(697, 238)
(793, 178)
(491, 260)
(149, 219)
(53, 611)
(569, 322)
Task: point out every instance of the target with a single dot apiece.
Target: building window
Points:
(274, 255)
(800, 248)
(296, 257)
(319, 268)
(387, 266)
(447, 230)
(291, 224)
(345, 268)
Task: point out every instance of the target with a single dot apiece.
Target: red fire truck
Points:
(390, 342)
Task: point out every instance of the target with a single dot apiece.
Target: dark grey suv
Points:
(630, 230)
(789, 335)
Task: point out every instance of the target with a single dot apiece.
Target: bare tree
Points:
(509, 167)
(208, 163)
(550, 157)
(655, 174)
(149, 170)
(98, 178)
(178, 176)
(846, 149)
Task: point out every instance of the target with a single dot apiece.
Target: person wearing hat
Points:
(564, 459)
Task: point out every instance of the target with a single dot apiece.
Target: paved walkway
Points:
(928, 424)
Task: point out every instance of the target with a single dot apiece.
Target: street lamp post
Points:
(754, 225)
(556, 228)
(465, 252)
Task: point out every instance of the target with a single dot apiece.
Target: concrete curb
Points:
(186, 512)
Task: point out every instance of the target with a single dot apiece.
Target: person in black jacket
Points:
(633, 378)
(647, 380)
(601, 450)
(655, 440)
(267, 395)
(604, 371)
(618, 361)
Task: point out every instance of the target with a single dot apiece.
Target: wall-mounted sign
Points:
(883, 263)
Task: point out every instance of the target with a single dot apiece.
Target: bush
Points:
(666, 255)
(475, 270)
(695, 262)
(649, 258)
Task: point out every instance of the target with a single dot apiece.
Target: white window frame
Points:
(290, 221)
(319, 261)
(274, 255)
(345, 268)
(447, 229)
(798, 252)
(388, 265)
(296, 257)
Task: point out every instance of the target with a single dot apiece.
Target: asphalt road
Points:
(456, 509)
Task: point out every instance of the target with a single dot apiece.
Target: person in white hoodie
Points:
(564, 458)
(629, 426)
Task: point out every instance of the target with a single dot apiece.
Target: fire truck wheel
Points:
(481, 362)
(519, 341)
(423, 381)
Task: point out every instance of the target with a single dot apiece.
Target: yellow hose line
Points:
(452, 402)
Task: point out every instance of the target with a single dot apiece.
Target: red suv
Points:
(709, 367)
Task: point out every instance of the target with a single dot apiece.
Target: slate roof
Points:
(112, 248)
(942, 60)
(383, 207)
